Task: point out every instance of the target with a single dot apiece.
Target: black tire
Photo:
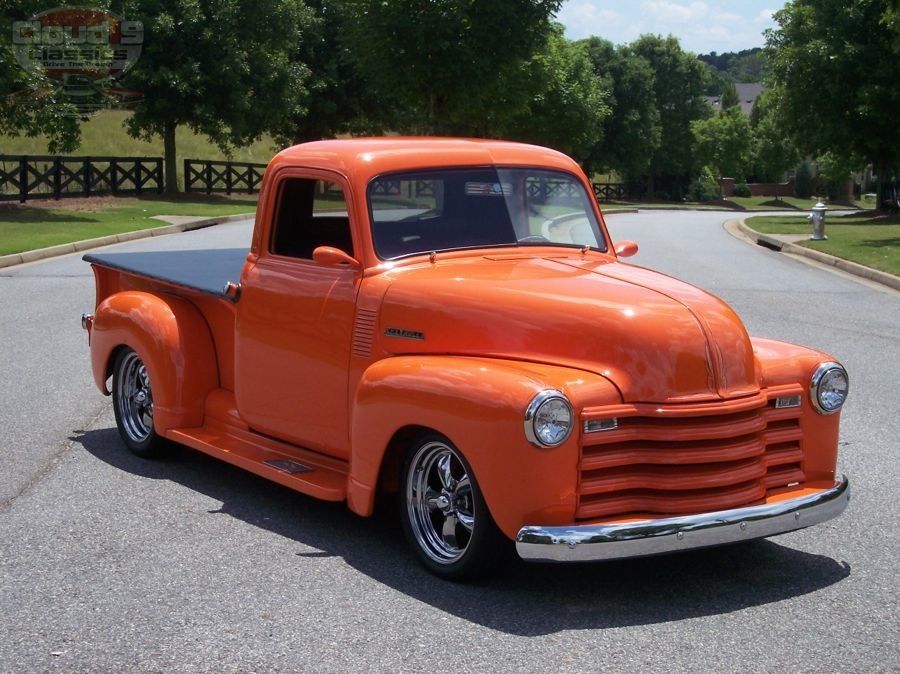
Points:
(133, 406)
(444, 515)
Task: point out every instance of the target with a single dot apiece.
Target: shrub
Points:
(741, 190)
(803, 181)
(705, 187)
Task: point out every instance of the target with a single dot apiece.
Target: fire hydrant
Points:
(817, 218)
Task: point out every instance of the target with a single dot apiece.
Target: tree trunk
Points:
(169, 154)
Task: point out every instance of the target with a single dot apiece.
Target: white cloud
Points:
(727, 17)
(700, 25)
(667, 10)
(583, 18)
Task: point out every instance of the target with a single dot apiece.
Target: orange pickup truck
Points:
(447, 321)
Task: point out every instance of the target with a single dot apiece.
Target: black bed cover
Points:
(204, 270)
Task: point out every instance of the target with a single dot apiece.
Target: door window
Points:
(310, 213)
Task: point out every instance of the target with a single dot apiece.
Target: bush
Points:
(706, 187)
(803, 181)
(741, 190)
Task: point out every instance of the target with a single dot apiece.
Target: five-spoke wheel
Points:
(133, 404)
(444, 515)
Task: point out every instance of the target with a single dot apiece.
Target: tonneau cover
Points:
(204, 270)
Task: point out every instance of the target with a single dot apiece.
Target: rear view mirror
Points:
(626, 248)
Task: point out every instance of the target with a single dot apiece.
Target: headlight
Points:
(829, 387)
(548, 419)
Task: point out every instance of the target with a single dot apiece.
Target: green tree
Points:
(834, 171)
(631, 133)
(772, 152)
(28, 105)
(225, 68)
(723, 142)
(729, 96)
(336, 99)
(836, 65)
(705, 186)
(679, 80)
(567, 103)
(445, 66)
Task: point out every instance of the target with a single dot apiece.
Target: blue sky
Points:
(701, 25)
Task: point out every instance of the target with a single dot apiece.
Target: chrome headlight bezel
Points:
(820, 377)
(543, 398)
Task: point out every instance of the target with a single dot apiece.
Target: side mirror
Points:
(626, 248)
(328, 256)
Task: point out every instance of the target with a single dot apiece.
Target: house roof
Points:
(747, 93)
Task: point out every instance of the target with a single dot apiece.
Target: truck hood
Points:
(656, 338)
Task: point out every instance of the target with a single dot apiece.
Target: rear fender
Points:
(479, 405)
(172, 338)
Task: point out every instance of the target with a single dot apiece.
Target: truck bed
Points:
(204, 270)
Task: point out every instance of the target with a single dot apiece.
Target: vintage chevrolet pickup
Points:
(447, 321)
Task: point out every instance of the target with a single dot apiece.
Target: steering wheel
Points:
(534, 238)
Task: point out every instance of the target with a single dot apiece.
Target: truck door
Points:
(295, 319)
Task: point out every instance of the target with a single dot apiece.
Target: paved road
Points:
(109, 563)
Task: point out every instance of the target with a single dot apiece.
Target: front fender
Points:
(784, 363)
(172, 338)
(479, 404)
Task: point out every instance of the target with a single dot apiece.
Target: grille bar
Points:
(680, 459)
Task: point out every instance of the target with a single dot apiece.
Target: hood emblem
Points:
(404, 334)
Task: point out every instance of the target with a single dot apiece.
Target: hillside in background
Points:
(103, 134)
(747, 65)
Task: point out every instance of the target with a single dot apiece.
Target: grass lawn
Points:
(48, 223)
(733, 203)
(782, 203)
(870, 240)
(103, 134)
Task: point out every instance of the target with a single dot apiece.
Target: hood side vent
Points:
(364, 332)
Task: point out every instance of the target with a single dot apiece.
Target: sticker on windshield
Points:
(488, 189)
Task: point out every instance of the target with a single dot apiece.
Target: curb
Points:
(847, 266)
(85, 244)
(614, 211)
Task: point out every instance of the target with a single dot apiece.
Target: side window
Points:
(310, 213)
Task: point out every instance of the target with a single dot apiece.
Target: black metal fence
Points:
(41, 177)
(222, 176)
(610, 191)
(24, 177)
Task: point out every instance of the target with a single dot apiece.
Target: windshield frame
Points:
(593, 208)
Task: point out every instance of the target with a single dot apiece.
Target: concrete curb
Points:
(85, 244)
(614, 211)
(847, 266)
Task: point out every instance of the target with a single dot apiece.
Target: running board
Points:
(299, 469)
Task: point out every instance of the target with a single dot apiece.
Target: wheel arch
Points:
(478, 404)
(174, 341)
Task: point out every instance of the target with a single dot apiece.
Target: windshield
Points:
(480, 207)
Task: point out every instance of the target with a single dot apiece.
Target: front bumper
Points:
(592, 542)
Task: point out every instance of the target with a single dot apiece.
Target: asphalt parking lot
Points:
(110, 563)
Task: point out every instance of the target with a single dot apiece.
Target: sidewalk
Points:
(180, 223)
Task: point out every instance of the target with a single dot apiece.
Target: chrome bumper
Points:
(591, 542)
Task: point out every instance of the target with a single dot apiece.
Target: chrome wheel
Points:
(134, 399)
(440, 503)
